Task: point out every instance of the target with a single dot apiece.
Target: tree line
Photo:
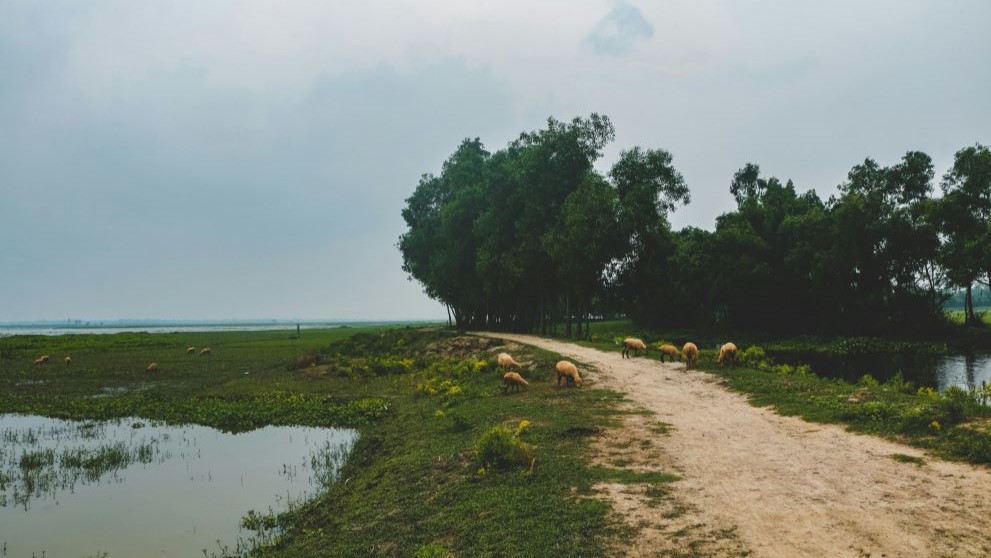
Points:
(533, 237)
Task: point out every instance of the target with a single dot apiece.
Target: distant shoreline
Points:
(165, 326)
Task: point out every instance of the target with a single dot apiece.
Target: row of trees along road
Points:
(533, 237)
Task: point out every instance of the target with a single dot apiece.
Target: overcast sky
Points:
(245, 159)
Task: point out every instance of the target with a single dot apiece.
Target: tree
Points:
(966, 221)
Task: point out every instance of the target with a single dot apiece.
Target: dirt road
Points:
(791, 488)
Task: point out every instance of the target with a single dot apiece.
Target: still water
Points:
(923, 369)
(130, 488)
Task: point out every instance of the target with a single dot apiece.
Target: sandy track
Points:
(793, 488)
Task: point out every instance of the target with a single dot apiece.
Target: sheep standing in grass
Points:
(515, 381)
(153, 367)
(691, 353)
(669, 350)
(190, 350)
(506, 362)
(635, 345)
(727, 353)
(43, 359)
(206, 352)
(68, 361)
(568, 371)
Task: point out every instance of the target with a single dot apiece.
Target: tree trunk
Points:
(448, 315)
(968, 310)
(567, 315)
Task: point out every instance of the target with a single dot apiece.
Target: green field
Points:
(415, 484)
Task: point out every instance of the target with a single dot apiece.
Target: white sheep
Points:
(506, 362)
(153, 367)
(68, 361)
(567, 371)
(190, 350)
(635, 345)
(669, 350)
(206, 352)
(727, 353)
(515, 381)
(691, 353)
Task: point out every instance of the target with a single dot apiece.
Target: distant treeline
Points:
(981, 297)
(533, 236)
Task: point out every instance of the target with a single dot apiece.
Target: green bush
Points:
(900, 384)
(867, 381)
(754, 357)
(499, 448)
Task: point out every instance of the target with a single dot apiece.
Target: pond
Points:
(923, 369)
(133, 488)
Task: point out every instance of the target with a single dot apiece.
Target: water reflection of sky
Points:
(191, 495)
(966, 371)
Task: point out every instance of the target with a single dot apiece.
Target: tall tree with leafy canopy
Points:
(966, 219)
(649, 188)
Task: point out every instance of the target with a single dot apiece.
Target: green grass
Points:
(413, 484)
(954, 424)
(902, 458)
(957, 316)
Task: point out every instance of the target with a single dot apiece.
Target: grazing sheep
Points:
(506, 362)
(515, 381)
(153, 367)
(635, 345)
(206, 352)
(568, 371)
(190, 350)
(669, 350)
(691, 353)
(68, 361)
(727, 353)
(43, 359)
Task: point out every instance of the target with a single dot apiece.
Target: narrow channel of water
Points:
(128, 488)
(924, 370)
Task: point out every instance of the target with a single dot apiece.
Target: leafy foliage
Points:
(532, 236)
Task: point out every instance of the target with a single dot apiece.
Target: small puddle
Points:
(133, 488)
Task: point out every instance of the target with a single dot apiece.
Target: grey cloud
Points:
(619, 31)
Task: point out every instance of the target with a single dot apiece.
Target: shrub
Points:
(754, 357)
(867, 381)
(900, 384)
(498, 447)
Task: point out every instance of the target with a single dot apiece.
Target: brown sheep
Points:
(506, 362)
(691, 353)
(727, 353)
(515, 381)
(68, 361)
(153, 367)
(206, 352)
(635, 345)
(190, 350)
(568, 371)
(669, 350)
(43, 359)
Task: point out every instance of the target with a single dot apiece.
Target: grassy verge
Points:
(415, 484)
(955, 424)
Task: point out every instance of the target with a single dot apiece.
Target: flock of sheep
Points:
(569, 372)
(565, 370)
(152, 367)
(689, 353)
